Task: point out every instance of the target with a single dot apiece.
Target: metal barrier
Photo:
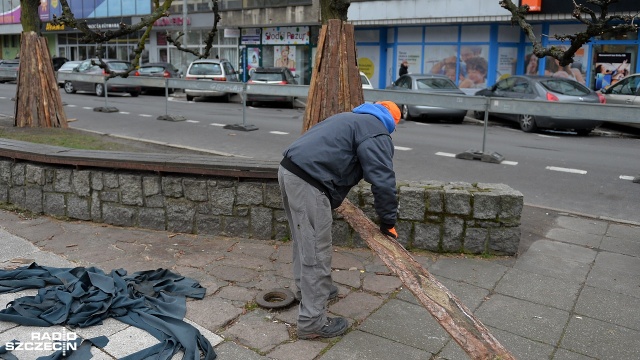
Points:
(473, 103)
(617, 113)
(9, 73)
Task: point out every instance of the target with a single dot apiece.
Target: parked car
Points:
(273, 76)
(162, 69)
(66, 67)
(12, 73)
(624, 92)
(210, 69)
(87, 67)
(366, 84)
(430, 84)
(58, 61)
(532, 87)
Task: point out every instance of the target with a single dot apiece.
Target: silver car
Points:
(428, 83)
(624, 92)
(210, 69)
(530, 87)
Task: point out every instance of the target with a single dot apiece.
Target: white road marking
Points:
(216, 124)
(125, 112)
(193, 121)
(506, 162)
(145, 115)
(445, 154)
(573, 171)
(3, 97)
(548, 136)
(87, 108)
(69, 105)
(422, 124)
(627, 177)
(279, 132)
(402, 148)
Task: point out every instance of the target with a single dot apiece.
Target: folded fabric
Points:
(153, 300)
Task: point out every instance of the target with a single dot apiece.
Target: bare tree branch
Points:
(597, 23)
(208, 41)
(146, 24)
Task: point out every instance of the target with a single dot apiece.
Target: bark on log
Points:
(38, 101)
(335, 81)
(446, 308)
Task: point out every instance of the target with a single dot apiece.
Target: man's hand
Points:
(389, 231)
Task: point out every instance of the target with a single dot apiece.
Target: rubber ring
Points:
(275, 298)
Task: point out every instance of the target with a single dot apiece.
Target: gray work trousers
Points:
(309, 214)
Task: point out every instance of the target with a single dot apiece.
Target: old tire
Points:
(275, 298)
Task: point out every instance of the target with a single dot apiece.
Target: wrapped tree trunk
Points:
(38, 101)
(335, 87)
(335, 81)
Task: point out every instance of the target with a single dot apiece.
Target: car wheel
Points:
(584, 132)
(478, 115)
(134, 94)
(405, 112)
(528, 123)
(99, 90)
(189, 98)
(68, 87)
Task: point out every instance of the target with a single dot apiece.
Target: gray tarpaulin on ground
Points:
(151, 300)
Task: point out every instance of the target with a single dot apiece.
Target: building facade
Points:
(472, 41)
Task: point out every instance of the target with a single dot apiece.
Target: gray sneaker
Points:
(333, 327)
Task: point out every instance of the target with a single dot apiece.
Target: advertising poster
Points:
(285, 56)
(253, 59)
(611, 68)
(413, 55)
(507, 57)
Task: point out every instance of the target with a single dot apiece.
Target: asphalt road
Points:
(589, 175)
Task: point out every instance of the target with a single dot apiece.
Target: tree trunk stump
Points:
(38, 101)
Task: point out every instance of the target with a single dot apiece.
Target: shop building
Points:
(472, 41)
(475, 44)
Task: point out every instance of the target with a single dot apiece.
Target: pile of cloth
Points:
(153, 300)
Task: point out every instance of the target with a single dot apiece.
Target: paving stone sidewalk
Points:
(572, 292)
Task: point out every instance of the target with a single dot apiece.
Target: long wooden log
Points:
(474, 338)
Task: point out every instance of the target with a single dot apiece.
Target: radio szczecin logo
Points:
(47, 341)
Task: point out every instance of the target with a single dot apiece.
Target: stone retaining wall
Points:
(442, 217)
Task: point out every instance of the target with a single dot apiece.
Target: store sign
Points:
(283, 35)
(171, 21)
(232, 33)
(52, 27)
(534, 5)
(250, 36)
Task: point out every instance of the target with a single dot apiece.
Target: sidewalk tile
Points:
(407, 324)
(609, 306)
(360, 345)
(539, 289)
(601, 340)
(532, 321)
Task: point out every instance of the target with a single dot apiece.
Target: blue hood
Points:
(380, 112)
